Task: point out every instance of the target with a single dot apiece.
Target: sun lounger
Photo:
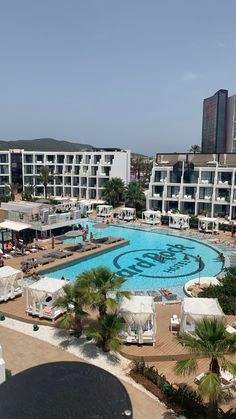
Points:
(139, 293)
(87, 247)
(45, 261)
(168, 294)
(111, 240)
(155, 294)
(58, 255)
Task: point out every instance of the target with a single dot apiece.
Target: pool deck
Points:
(15, 262)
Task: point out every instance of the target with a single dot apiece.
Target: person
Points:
(186, 256)
(91, 236)
(35, 276)
(203, 227)
(107, 221)
(34, 263)
(223, 260)
(9, 246)
(63, 278)
(84, 235)
(162, 257)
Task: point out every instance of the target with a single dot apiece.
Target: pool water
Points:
(138, 261)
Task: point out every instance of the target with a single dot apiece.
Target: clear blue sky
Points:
(125, 73)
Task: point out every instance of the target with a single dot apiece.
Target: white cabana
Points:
(208, 225)
(104, 210)
(151, 217)
(40, 297)
(179, 221)
(139, 316)
(127, 214)
(11, 283)
(193, 309)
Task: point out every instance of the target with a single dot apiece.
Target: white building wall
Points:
(2, 368)
(80, 174)
(210, 192)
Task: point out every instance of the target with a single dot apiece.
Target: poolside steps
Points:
(232, 259)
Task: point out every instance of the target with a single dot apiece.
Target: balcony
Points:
(188, 197)
(222, 200)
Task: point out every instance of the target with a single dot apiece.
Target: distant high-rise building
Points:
(231, 124)
(214, 123)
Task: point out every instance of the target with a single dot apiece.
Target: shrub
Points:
(8, 373)
(190, 402)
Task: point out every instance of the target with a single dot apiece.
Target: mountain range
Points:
(50, 144)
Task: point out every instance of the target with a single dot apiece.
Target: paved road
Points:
(21, 351)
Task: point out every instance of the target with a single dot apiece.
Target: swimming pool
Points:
(138, 263)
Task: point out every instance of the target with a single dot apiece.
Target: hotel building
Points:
(219, 123)
(75, 174)
(194, 183)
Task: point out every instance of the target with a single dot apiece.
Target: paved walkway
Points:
(21, 351)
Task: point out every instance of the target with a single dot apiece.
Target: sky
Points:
(114, 73)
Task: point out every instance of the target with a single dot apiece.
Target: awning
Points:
(14, 225)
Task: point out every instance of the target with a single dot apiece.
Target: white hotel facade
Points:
(75, 174)
(194, 183)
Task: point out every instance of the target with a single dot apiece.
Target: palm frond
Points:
(185, 366)
(210, 386)
(229, 366)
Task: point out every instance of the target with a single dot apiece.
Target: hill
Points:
(44, 144)
(50, 144)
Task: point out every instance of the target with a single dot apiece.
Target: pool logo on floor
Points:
(168, 265)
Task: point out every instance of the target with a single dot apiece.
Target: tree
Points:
(137, 166)
(107, 332)
(113, 190)
(45, 177)
(74, 300)
(225, 291)
(213, 342)
(99, 282)
(195, 149)
(27, 194)
(10, 191)
(134, 195)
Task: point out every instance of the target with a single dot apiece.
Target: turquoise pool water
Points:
(138, 263)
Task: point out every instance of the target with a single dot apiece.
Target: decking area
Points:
(166, 346)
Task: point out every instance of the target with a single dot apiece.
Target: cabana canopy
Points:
(127, 214)
(104, 210)
(39, 291)
(10, 287)
(14, 225)
(208, 224)
(139, 316)
(194, 309)
(179, 221)
(151, 217)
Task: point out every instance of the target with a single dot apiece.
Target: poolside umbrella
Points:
(100, 225)
(73, 234)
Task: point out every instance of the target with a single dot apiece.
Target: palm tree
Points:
(213, 342)
(134, 196)
(137, 166)
(195, 149)
(27, 194)
(113, 190)
(73, 300)
(45, 177)
(100, 282)
(107, 332)
(10, 191)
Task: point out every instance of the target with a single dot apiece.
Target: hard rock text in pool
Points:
(151, 257)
